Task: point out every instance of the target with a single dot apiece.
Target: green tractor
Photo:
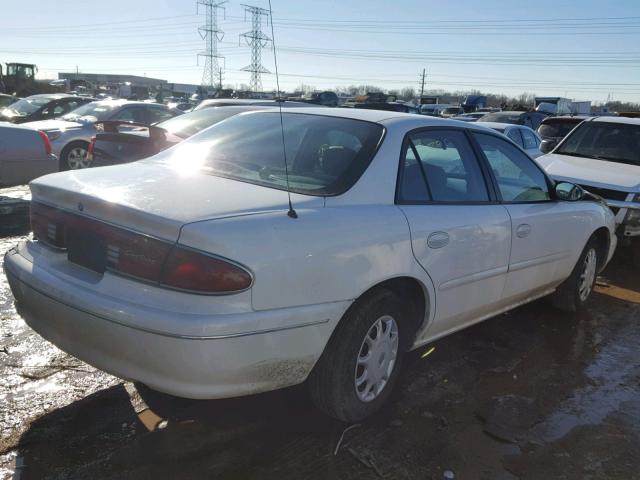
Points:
(20, 79)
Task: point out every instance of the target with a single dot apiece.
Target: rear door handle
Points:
(438, 239)
(523, 230)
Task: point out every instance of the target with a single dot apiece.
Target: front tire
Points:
(359, 367)
(573, 294)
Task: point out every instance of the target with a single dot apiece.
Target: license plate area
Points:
(87, 250)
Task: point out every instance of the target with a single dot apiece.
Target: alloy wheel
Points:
(77, 158)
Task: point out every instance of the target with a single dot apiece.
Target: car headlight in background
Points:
(633, 216)
(54, 135)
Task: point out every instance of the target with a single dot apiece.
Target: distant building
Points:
(112, 79)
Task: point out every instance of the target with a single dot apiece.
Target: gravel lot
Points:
(532, 394)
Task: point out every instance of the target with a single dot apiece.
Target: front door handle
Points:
(523, 230)
(438, 239)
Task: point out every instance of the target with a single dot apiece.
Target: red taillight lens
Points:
(136, 255)
(92, 146)
(47, 143)
(193, 271)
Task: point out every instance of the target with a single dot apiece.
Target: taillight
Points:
(92, 146)
(47, 143)
(189, 270)
(137, 255)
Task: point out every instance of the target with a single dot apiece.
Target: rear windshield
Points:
(191, 123)
(556, 129)
(616, 142)
(29, 105)
(324, 155)
(514, 118)
(97, 110)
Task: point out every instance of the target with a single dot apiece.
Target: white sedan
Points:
(195, 273)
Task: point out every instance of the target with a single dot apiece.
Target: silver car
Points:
(71, 134)
(524, 137)
(25, 154)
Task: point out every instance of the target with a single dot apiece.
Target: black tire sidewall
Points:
(344, 348)
(64, 154)
(575, 275)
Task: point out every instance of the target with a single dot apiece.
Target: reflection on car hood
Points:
(158, 199)
(589, 171)
(49, 125)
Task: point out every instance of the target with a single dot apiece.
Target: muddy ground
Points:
(533, 394)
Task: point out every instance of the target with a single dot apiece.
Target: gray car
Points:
(25, 154)
(524, 137)
(71, 134)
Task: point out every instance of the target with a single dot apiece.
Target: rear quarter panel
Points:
(22, 156)
(325, 255)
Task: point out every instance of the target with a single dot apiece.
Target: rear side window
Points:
(519, 179)
(440, 166)
(324, 155)
(530, 140)
(514, 134)
(159, 114)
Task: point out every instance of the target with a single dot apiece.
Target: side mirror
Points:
(569, 192)
(547, 146)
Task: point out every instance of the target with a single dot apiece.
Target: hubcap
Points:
(376, 358)
(77, 158)
(588, 276)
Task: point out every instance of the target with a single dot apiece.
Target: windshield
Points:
(98, 110)
(500, 117)
(617, 142)
(325, 155)
(451, 110)
(6, 101)
(556, 129)
(189, 124)
(29, 105)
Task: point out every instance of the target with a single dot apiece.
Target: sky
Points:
(581, 49)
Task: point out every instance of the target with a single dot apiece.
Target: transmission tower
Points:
(257, 40)
(211, 34)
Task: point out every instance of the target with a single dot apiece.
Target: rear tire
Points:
(360, 365)
(74, 156)
(573, 293)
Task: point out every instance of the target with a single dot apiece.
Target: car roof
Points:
(500, 125)
(566, 118)
(52, 96)
(625, 120)
(244, 101)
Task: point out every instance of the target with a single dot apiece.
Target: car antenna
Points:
(291, 213)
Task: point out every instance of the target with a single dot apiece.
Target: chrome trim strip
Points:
(538, 261)
(474, 277)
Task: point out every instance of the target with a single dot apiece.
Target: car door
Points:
(460, 235)
(541, 242)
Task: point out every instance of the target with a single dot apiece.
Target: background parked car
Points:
(524, 137)
(528, 119)
(602, 154)
(71, 134)
(6, 100)
(470, 117)
(25, 155)
(328, 99)
(225, 102)
(389, 106)
(452, 111)
(41, 107)
(115, 146)
(554, 129)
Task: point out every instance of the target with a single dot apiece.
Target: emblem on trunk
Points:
(80, 206)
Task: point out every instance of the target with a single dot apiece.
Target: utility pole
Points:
(211, 34)
(257, 40)
(423, 77)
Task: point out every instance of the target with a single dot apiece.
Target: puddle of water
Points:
(607, 392)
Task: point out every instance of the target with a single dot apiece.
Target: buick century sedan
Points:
(318, 246)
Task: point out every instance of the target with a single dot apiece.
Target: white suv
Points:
(602, 155)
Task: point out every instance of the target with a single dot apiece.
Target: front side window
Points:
(518, 178)
(324, 155)
(440, 166)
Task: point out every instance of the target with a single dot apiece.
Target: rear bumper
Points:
(207, 366)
